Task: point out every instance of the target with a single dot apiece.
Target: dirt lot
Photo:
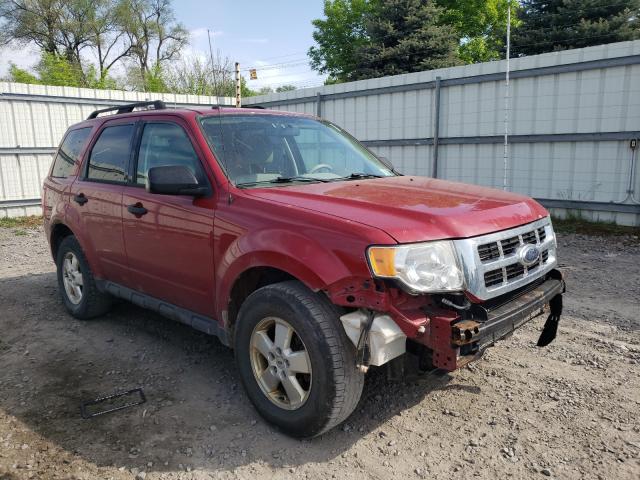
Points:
(569, 411)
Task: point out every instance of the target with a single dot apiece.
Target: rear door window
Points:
(69, 152)
(110, 154)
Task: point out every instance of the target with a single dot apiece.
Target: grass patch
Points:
(31, 222)
(574, 224)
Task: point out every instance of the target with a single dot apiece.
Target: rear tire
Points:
(274, 374)
(76, 283)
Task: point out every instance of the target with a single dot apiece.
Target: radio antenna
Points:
(506, 101)
(223, 154)
(216, 86)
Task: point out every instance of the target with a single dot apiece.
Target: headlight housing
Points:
(429, 267)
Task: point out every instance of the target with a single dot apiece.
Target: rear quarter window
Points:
(69, 152)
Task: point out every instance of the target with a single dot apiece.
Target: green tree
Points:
(481, 26)
(551, 25)
(338, 36)
(104, 32)
(57, 27)
(55, 69)
(19, 75)
(405, 36)
(155, 38)
(285, 88)
(196, 76)
(369, 38)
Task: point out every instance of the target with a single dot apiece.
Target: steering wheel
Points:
(322, 166)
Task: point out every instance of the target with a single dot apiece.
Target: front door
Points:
(168, 237)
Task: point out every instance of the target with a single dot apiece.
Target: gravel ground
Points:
(568, 411)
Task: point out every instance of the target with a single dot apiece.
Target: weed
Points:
(31, 222)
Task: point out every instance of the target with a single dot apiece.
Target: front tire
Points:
(295, 360)
(76, 283)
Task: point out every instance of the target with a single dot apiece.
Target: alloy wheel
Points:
(280, 363)
(72, 278)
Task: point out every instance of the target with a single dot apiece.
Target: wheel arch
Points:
(256, 275)
(59, 232)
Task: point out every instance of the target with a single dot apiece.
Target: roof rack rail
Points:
(220, 105)
(127, 108)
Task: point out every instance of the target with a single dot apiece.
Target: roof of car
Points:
(126, 111)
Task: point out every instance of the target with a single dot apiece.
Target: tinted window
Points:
(69, 151)
(166, 144)
(110, 154)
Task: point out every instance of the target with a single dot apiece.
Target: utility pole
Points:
(238, 85)
(506, 101)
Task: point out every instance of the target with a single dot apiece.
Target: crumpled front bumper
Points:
(504, 320)
(459, 340)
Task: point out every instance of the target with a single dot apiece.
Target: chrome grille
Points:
(491, 251)
(491, 262)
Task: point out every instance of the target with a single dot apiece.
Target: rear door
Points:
(168, 237)
(63, 171)
(96, 197)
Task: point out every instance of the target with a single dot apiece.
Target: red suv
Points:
(296, 246)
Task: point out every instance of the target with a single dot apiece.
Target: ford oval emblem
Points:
(529, 254)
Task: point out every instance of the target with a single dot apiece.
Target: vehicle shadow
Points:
(197, 415)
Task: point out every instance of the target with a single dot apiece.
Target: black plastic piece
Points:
(550, 329)
(204, 324)
(128, 108)
(505, 319)
(80, 199)
(218, 106)
(137, 209)
(84, 406)
(174, 180)
(363, 354)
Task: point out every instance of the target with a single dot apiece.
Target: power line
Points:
(277, 66)
(282, 56)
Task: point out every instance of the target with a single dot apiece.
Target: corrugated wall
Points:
(33, 119)
(571, 118)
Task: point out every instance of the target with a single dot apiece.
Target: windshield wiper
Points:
(359, 175)
(297, 178)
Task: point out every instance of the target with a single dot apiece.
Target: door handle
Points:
(80, 199)
(137, 209)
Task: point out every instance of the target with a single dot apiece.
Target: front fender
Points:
(302, 257)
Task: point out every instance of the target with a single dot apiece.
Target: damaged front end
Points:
(509, 278)
(448, 331)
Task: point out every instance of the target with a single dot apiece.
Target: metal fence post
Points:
(318, 104)
(436, 128)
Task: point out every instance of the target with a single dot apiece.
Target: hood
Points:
(412, 209)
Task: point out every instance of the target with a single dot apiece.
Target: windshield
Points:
(261, 149)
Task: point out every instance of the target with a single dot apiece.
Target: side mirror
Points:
(174, 180)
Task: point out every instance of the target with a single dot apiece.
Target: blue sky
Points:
(274, 35)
